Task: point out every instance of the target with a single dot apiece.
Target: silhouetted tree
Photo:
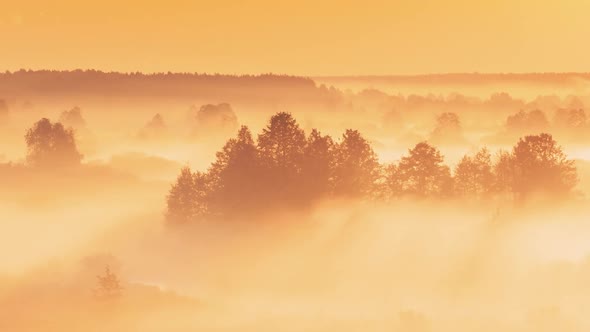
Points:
(216, 118)
(187, 199)
(503, 171)
(72, 118)
(393, 186)
(524, 122)
(154, 128)
(236, 176)
(108, 286)
(318, 165)
(448, 128)
(157, 122)
(570, 119)
(51, 145)
(357, 168)
(280, 147)
(473, 175)
(541, 166)
(422, 173)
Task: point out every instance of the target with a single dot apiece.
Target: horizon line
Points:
(169, 72)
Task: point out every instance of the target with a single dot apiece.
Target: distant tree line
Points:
(283, 167)
(263, 89)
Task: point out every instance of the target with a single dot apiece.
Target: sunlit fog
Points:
(294, 166)
(175, 202)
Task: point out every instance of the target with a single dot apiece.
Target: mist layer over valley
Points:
(176, 202)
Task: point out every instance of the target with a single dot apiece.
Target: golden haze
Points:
(297, 37)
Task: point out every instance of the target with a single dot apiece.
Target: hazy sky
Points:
(305, 37)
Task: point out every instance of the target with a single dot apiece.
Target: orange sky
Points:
(305, 37)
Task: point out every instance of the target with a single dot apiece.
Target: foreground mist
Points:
(343, 266)
(371, 213)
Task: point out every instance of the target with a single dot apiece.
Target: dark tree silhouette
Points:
(237, 177)
(473, 175)
(285, 169)
(51, 145)
(318, 165)
(357, 169)
(108, 286)
(280, 147)
(186, 199)
(423, 173)
(281, 144)
(541, 166)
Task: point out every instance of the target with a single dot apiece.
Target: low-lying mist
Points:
(181, 202)
(412, 266)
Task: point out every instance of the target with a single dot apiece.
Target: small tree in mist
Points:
(356, 168)
(72, 118)
(422, 173)
(473, 175)
(540, 165)
(570, 119)
(523, 122)
(51, 145)
(448, 128)
(108, 286)
(187, 199)
(214, 119)
(154, 128)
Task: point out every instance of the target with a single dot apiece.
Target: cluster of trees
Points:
(284, 167)
(51, 145)
(456, 102)
(571, 123)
